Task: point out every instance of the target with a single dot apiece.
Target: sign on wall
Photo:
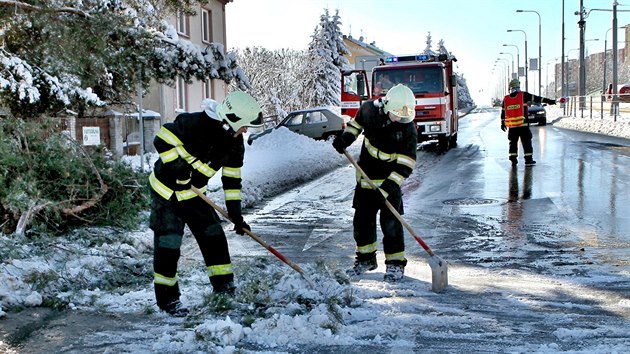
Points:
(91, 136)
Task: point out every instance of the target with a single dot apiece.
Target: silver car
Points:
(317, 123)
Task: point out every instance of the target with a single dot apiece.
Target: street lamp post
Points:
(555, 82)
(517, 60)
(500, 85)
(507, 66)
(526, 69)
(512, 72)
(539, 47)
(604, 85)
(569, 70)
(614, 108)
(499, 88)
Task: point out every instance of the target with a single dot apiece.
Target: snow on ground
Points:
(274, 308)
(605, 125)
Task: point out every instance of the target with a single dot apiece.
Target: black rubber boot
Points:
(530, 162)
(514, 161)
(394, 272)
(167, 298)
(362, 264)
(224, 288)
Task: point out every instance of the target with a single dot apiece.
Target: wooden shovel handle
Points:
(249, 233)
(389, 205)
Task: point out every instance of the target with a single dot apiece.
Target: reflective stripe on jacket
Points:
(192, 149)
(388, 154)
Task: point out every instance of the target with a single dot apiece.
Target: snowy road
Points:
(533, 266)
(538, 262)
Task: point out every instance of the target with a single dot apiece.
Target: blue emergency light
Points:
(422, 57)
(391, 60)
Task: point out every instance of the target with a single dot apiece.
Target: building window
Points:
(207, 89)
(183, 24)
(206, 26)
(182, 95)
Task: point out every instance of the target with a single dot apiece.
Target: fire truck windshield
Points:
(427, 79)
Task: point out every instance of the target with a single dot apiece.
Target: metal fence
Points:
(597, 106)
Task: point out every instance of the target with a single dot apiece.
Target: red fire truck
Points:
(354, 90)
(433, 82)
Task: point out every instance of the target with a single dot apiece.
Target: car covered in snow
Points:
(536, 113)
(317, 123)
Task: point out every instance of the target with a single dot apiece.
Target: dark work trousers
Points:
(523, 133)
(367, 203)
(167, 221)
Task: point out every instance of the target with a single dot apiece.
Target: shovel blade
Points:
(439, 273)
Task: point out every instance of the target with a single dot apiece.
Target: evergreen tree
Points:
(326, 58)
(55, 58)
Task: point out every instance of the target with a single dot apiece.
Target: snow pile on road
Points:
(606, 125)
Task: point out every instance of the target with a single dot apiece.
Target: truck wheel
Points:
(453, 140)
(443, 143)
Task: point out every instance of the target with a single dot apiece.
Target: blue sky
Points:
(474, 31)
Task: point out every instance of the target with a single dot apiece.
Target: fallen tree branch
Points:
(92, 201)
(24, 218)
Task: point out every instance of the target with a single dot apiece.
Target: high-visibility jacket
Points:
(514, 107)
(514, 99)
(192, 149)
(388, 154)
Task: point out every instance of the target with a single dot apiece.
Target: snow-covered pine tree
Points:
(326, 59)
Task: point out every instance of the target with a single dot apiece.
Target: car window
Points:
(315, 117)
(295, 120)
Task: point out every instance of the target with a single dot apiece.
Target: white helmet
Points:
(240, 109)
(401, 102)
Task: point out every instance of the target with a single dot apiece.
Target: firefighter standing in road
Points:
(388, 156)
(513, 116)
(192, 149)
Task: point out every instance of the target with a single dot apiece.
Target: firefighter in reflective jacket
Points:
(192, 149)
(388, 156)
(513, 116)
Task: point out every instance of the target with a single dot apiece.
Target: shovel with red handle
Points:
(439, 267)
(256, 238)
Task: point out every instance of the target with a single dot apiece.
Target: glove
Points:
(503, 127)
(234, 213)
(552, 102)
(339, 144)
(240, 228)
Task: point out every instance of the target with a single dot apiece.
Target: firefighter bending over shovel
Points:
(388, 156)
(192, 149)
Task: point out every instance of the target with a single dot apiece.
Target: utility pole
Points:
(562, 80)
(582, 83)
(614, 107)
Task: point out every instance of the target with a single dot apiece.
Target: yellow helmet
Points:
(240, 109)
(401, 102)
